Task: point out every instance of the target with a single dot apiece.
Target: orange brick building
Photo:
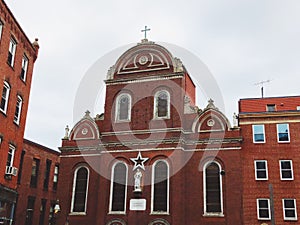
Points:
(271, 173)
(152, 157)
(17, 57)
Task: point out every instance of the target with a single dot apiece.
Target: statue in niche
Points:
(138, 181)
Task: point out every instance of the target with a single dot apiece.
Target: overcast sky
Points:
(242, 42)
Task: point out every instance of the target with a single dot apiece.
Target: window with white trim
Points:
(160, 187)
(162, 105)
(289, 209)
(263, 209)
(261, 169)
(286, 170)
(212, 182)
(118, 189)
(24, 67)
(80, 190)
(18, 109)
(123, 107)
(12, 51)
(5, 97)
(55, 177)
(283, 134)
(10, 156)
(258, 133)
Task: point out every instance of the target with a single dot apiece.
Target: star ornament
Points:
(139, 161)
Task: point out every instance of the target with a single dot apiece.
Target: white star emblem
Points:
(139, 162)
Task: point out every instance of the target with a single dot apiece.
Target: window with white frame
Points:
(162, 105)
(24, 68)
(261, 170)
(263, 209)
(118, 189)
(55, 177)
(283, 134)
(271, 107)
(18, 109)
(289, 209)
(258, 133)
(11, 52)
(286, 170)
(212, 182)
(160, 187)
(123, 107)
(10, 156)
(4, 97)
(80, 190)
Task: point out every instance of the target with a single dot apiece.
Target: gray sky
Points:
(242, 42)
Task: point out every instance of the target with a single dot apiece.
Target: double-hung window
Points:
(12, 52)
(286, 170)
(4, 97)
(258, 133)
(18, 109)
(24, 68)
(289, 209)
(261, 170)
(1, 28)
(283, 134)
(263, 209)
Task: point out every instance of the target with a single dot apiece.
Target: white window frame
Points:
(73, 191)
(155, 111)
(25, 62)
(111, 189)
(269, 209)
(7, 87)
(18, 111)
(11, 151)
(257, 170)
(12, 49)
(292, 172)
(220, 214)
(168, 189)
(277, 125)
(253, 133)
(117, 112)
(295, 209)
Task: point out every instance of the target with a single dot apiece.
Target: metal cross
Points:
(145, 31)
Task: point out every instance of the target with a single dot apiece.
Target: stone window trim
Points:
(156, 105)
(118, 107)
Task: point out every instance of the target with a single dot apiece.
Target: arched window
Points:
(118, 189)
(5, 97)
(160, 187)
(162, 104)
(123, 108)
(80, 190)
(212, 181)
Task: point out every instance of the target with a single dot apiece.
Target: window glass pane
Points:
(124, 108)
(258, 131)
(213, 189)
(283, 132)
(119, 187)
(80, 190)
(160, 186)
(162, 105)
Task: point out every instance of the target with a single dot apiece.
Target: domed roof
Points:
(146, 58)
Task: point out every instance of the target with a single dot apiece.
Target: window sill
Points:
(77, 214)
(159, 213)
(213, 214)
(116, 213)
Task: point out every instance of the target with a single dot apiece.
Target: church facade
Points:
(152, 157)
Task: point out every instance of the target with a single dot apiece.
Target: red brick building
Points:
(17, 57)
(37, 185)
(271, 173)
(152, 157)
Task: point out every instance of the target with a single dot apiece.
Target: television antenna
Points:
(262, 83)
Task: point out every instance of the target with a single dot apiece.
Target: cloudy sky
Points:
(242, 42)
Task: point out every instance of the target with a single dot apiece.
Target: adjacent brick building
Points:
(37, 185)
(152, 157)
(17, 57)
(271, 164)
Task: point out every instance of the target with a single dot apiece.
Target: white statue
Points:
(138, 181)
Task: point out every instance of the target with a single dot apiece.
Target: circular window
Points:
(210, 122)
(84, 131)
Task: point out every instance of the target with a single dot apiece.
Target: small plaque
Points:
(137, 204)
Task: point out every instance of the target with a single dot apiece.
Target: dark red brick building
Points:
(17, 57)
(37, 185)
(270, 154)
(152, 157)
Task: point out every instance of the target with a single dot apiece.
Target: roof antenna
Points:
(261, 83)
